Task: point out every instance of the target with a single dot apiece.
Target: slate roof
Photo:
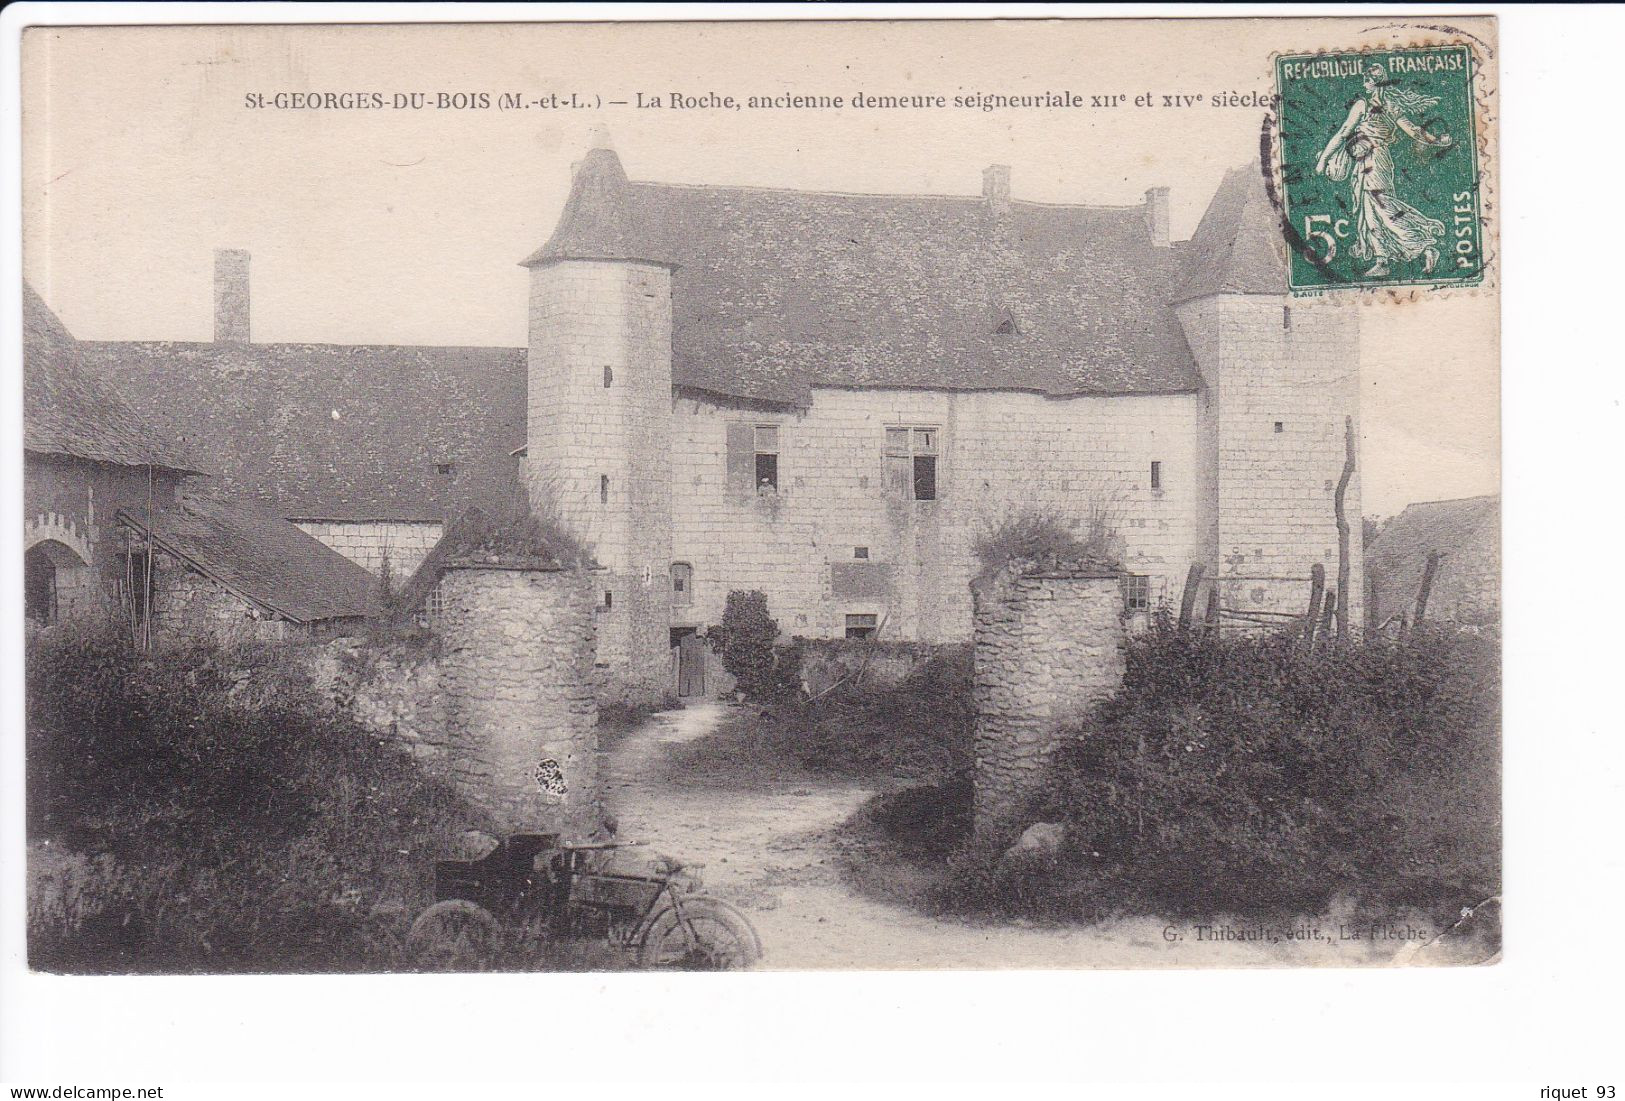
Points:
(1396, 559)
(70, 410)
(331, 431)
(262, 558)
(776, 291)
(1237, 247)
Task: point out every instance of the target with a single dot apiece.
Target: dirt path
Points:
(765, 847)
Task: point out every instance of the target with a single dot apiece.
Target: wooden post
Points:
(1187, 600)
(1212, 619)
(1328, 612)
(1317, 586)
(1343, 529)
(1428, 573)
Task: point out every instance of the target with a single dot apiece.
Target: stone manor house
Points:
(824, 396)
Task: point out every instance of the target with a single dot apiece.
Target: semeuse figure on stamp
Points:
(1387, 228)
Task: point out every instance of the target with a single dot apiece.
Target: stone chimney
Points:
(231, 295)
(996, 187)
(1156, 216)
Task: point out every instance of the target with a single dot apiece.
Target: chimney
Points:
(231, 295)
(996, 187)
(1156, 215)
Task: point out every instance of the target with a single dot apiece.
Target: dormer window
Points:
(443, 468)
(1004, 323)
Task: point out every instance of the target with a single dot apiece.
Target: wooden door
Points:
(690, 666)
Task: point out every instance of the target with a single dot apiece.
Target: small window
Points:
(442, 468)
(1156, 475)
(609, 600)
(682, 583)
(1280, 426)
(1137, 592)
(1286, 318)
(767, 458)
(434, 604)
(861, 626)
(603, 489)
(609, 376)
(911, 463)
(860, 552)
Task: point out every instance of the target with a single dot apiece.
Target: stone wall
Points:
(189, 607)
(521, 723)
(599, 451)
(370, 543)
(392, 689)
(1281, 377)
(997, 451)
(1048, 645)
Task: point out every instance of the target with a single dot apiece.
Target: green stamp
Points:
(1379, 168)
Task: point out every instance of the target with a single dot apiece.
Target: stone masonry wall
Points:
(997, 451)
(1047, 647)
(599, 454)
(1281, 377)
(516, 677)
(404, 544)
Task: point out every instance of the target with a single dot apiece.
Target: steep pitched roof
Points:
(262, 559)
(69, 410)
(777, 291)
(1238, 247)
(1396, 560)
(329, 431)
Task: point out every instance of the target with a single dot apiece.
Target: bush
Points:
(1247, 776)
(746, 639)
(197, 810)
(1044, 538)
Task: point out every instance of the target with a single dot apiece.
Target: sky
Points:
(407, 226)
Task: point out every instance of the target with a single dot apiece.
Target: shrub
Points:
(1043, 537)
(1248, 776)
(746, 639)
(197, 810)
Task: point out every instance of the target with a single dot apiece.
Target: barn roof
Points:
(1396, 559)
(70, 410)
(776, 291)
(261, 558)
(332, 431)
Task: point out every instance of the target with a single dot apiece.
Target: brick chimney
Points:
(1156, 216)
(996, 187)
(231, 295)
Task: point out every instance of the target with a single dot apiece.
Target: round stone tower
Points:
(599, 419)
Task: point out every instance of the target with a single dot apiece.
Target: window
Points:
(1137, 592)
(603, 489)
(442, 468)
(1156, 475)
(609, 376)
(767, 458)
(1286, 318)
(861, 626)
(1280, 426)
(860, 552)
(433, 604)
(682, 583)
(609, 601)
(911, 463)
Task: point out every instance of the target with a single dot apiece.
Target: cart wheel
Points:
(455, 935)
(723, 939)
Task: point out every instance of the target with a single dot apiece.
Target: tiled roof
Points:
(69, 410)
(262, 558)
(1238, 247)
(330, 431)
(776, 291)
(1398, 556)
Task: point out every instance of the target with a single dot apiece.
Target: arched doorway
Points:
(48, 567)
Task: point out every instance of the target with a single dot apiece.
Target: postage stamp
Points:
(1379, 168)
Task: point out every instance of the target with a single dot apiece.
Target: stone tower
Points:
(1281, 386)
(599, 419)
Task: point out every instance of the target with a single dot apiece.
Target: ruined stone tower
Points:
(599, 418)
(1280, 386)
